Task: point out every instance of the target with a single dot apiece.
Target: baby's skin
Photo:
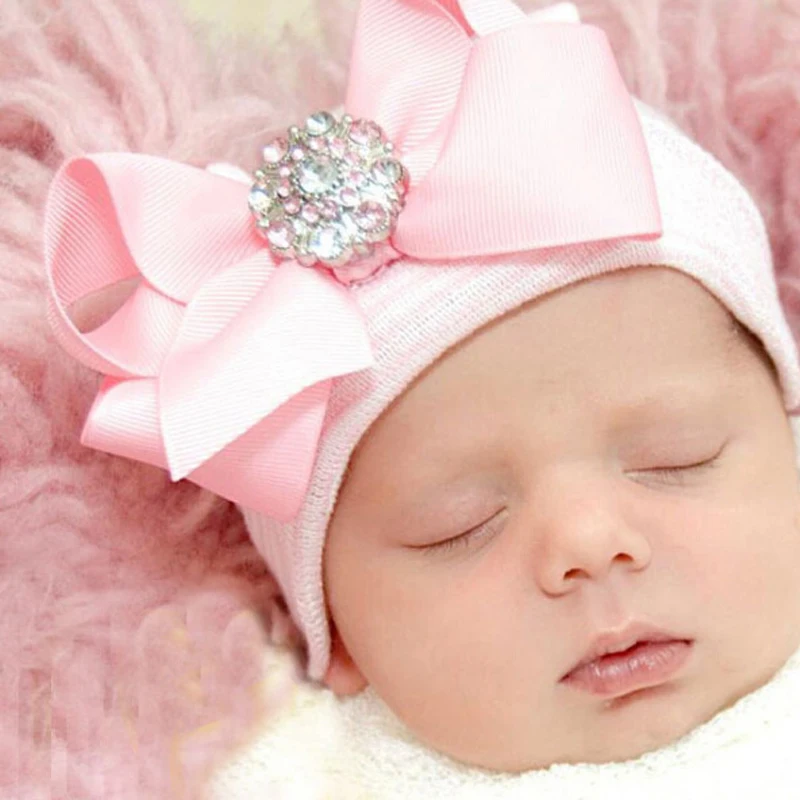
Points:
(622, 451)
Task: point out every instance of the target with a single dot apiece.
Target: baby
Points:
(504, 397)
(611, 459)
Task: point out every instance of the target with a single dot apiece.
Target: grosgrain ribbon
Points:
(517, 135)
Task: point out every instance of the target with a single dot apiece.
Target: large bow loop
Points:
(518, 130)
(219, 363)
(116, 216)
(407, 64)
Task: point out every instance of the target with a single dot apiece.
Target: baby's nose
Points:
(580, 531)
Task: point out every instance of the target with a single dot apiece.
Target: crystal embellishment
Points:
(328, 192)
(317, 176)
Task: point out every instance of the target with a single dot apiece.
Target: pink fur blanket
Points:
(134, 612)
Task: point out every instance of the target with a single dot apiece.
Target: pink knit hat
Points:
(518, 163)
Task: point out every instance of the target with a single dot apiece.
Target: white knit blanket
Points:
(322, 747)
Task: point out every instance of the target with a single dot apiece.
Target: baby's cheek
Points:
(470, 632)
(742, 562)
(429, 605)
(712, 553)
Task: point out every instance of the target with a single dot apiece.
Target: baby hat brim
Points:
(416, 311)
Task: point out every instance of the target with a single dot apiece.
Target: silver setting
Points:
(329, 191)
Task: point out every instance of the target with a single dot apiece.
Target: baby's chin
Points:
(614, 732)
(627, 739)
(623, 730)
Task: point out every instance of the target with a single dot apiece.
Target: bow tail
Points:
(267, 468)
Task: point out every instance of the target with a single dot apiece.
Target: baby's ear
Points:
(343, 677)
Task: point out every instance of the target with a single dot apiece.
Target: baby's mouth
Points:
(636, 658)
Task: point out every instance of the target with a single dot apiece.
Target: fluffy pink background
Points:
(133, 612)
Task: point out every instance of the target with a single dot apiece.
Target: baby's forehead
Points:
(642, 335)
(636, 311)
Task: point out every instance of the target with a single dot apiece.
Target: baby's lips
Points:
(621, 639)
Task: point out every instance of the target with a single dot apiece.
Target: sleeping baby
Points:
(495, 367)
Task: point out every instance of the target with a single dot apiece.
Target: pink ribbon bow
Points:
(518, 133)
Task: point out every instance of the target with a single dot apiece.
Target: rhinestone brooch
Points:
(328, 192)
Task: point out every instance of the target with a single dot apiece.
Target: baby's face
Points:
(548, 432)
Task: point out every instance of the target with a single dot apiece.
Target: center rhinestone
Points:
(317, 175)
(328, 191)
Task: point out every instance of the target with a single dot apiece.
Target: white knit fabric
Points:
(415, 312)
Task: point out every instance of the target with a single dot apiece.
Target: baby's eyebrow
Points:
(458, 500)
(668, 400)
(688, 400)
